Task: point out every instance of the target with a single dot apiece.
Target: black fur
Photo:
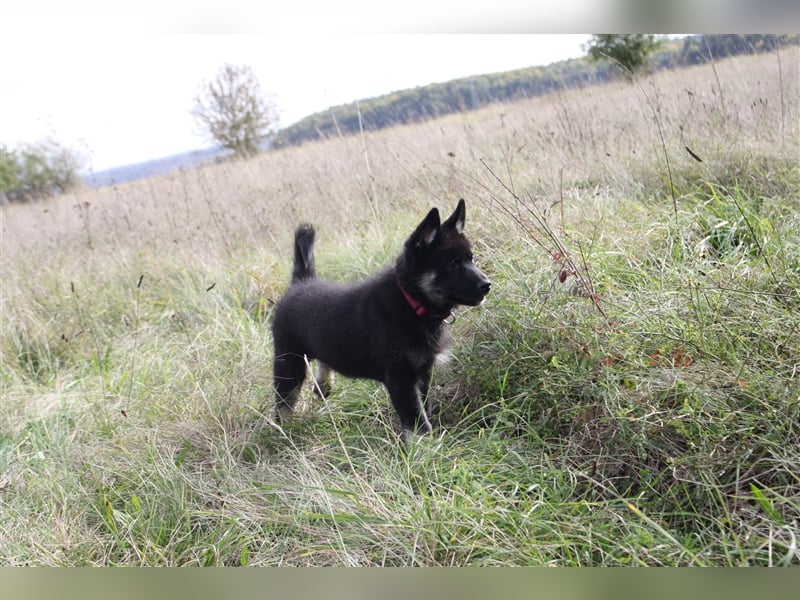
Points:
(372, 329)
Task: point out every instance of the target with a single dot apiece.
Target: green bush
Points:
(629, 52)
(37, 171)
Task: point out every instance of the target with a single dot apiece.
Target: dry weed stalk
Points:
(534, 222)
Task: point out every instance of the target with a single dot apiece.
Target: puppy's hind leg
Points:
(289, 372)
(323, 380)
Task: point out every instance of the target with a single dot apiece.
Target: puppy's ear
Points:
(456, 220)
(426, 232)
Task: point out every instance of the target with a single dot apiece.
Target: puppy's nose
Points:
(485, 286)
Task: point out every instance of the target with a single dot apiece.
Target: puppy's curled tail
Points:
(303, 254)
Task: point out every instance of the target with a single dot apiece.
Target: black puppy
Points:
(389, 328)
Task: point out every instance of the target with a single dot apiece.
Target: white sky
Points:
(119, 87)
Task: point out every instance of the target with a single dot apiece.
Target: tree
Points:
(233, 110)
(628, 51)
(37, 171)
(9, 172)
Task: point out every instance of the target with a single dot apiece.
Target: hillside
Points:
(470, 93)
(153, 168)
(629, 394)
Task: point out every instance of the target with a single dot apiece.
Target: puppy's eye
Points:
(453, 264)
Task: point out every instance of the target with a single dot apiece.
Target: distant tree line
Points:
(438, 99)
(469, 93)
(696, 48)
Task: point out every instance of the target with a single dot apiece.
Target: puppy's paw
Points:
(283, 412)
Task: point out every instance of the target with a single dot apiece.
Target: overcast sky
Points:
(120, 90)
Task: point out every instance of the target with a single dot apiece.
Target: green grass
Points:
(628, 395)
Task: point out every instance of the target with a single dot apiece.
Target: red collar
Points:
(419, 309)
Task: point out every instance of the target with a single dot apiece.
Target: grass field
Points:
(629, 394)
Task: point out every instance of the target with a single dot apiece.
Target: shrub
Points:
(37, 171)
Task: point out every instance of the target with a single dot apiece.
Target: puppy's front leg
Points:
(404, 390)
(423, 383)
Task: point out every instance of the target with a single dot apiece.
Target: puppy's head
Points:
(440, 258)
